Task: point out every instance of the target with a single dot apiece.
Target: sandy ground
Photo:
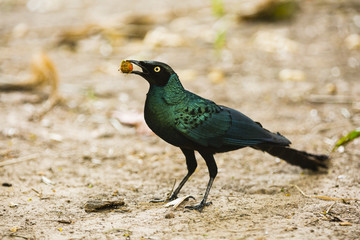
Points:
(299, 77)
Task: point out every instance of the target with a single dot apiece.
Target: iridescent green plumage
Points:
(202, 121)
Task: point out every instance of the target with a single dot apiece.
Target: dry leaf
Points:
(175, 203)
(345, 224)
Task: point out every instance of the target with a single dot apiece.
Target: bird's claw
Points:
(172, 198)
(199, 207)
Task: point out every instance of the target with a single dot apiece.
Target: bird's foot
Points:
(200, 206)
(172, 197)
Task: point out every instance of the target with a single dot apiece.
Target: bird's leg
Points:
(203, 202)
(191, 166)
(211, 164)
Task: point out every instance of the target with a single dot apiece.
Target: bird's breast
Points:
(159, 116)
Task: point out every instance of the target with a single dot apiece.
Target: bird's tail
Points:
(295, 157)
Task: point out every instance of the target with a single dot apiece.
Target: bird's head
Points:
(156, 73)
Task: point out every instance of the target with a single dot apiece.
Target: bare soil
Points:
(299, 77)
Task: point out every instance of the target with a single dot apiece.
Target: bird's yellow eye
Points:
(157, 69)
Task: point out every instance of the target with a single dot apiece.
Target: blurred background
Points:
(249, 54)
(292, 65)
(292, 48)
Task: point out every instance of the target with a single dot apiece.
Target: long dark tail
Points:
(295, 157)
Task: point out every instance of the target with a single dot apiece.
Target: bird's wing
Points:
(210, 125)
(245, 132)
(202, 121)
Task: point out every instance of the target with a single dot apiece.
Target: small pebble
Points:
(169, 215)
(331, 88)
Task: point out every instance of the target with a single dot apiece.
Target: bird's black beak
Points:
(140, 64)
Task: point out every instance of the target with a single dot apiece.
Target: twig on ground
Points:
(50, 103)
(325, 197)
(329, 208)
(64, 221)
(338, 99)
(18, 160)
(171, 191)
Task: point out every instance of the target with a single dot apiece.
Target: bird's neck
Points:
(172, 93)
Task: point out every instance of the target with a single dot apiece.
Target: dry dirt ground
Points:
(299, 77)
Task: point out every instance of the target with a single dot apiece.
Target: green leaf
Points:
(348, 138)
(220, 40)
(218, 8)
